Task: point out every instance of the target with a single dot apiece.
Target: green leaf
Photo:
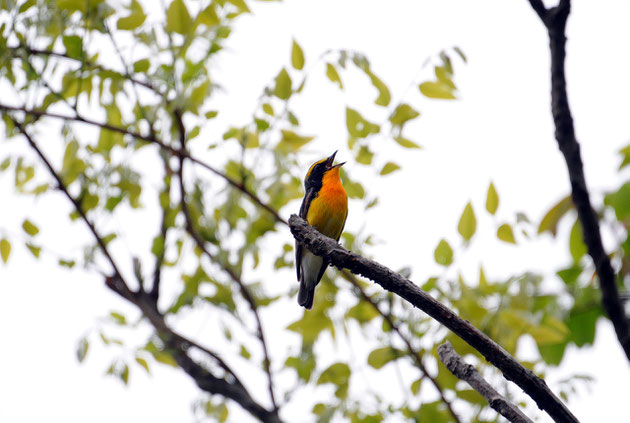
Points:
(415, 386)
(304, 365)
(164, 358)
(443, 253)
(381, 356)
(577, 248)
(141, 66)
(467, 223)
(384, 96)
(620, 201)
(337, 374)
(134, 19)
(30, 228)
(333, 75)
(550, 331)
(437, 90)
(73, 45)
(208, 16)
(402, 114)
(292, 142)
(282, 90)
(142, 362)
(240, 5)
(405, 142)
(389, 168)
(582, 325)
(358, 126)
(505, 234)
(267, 108)
(363, 312)
(297, 56)
(35, 250)
(178, 19)
(67, 263)
(5, 249)
(364, 156)
(118, 318)
(492, 199)
(550, 221)
(5, 164)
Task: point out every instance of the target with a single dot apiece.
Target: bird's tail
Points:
(305, 295)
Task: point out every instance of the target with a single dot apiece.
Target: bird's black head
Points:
(315, 174)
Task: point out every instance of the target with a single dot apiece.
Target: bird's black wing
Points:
(306, 203)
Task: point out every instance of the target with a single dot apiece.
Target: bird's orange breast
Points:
(327, 212)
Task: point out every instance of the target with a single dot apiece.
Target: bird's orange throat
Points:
(332, 181)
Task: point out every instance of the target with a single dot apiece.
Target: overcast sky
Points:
(500, 129)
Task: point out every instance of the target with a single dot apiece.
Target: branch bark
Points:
(467, 372)
(555, 20)
(335, 254)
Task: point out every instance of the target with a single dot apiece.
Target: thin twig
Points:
(412, 351)
(201, 244)
(467, 372)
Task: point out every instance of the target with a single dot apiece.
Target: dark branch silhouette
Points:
(555, 20)
(178, 346)
(338, 256)
(467, 372)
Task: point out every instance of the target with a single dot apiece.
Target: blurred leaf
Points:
(437, 90)
(550, 221)
(5, 249)
(337, 374)
(364, 156)
(625, 153)
(467, 223)
(304, 365)
(577, 247)
(208, 16)
(292, 142)
(381, 356)
(415, 386)
(505, 234)
(297, 56)
(178, 19)
(282, 88)
(240, 5)
(164, 358)
(141, 66)
(73, 45)
(407, 143)
(552, 353)
(333, 75)
(443, 253)
(35, 250)
(82, 349)
(118, 318)
(389, 168)
(30, 228)
(492, 199)
(620, 201)
(143, 363)
(582, 325)
(358, 126)
(384, 96)
(363, 312)
(402, 114)
(134, 19)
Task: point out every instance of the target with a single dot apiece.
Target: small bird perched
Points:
(325, 207)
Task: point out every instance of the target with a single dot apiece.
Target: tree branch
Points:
(335, 254)
(201, 244)
(234, 390)
(154, 140)
(417, 358)
(464, 371)
(555, 20)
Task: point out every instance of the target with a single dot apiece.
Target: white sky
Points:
(499, 130)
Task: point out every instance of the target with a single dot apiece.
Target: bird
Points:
(325, 207)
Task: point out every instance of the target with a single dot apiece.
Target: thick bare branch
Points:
(335, 254)
(555, 20)
(467, 372)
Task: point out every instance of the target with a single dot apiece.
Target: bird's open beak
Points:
(331, 159)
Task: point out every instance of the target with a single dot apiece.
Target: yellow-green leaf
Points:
(492, 199)
(141, 65)
(240, 5)
(164, 358)
(333, 75)
(5, 249)
(297, 56)
(73, 45)
(438, 90)
(384, 96)
(134, 19)
(208, 16)
(178, 19)
(282, 89)
(30, 228)
(402, 114)
(405, 142)
(381, 356)
(550, 221)
(35, 250)
(467, 223)
(291, 141)
(505, 233)
(364, 156)
(443, 253)
(389, 168)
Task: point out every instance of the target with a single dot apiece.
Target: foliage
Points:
(58, 57)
